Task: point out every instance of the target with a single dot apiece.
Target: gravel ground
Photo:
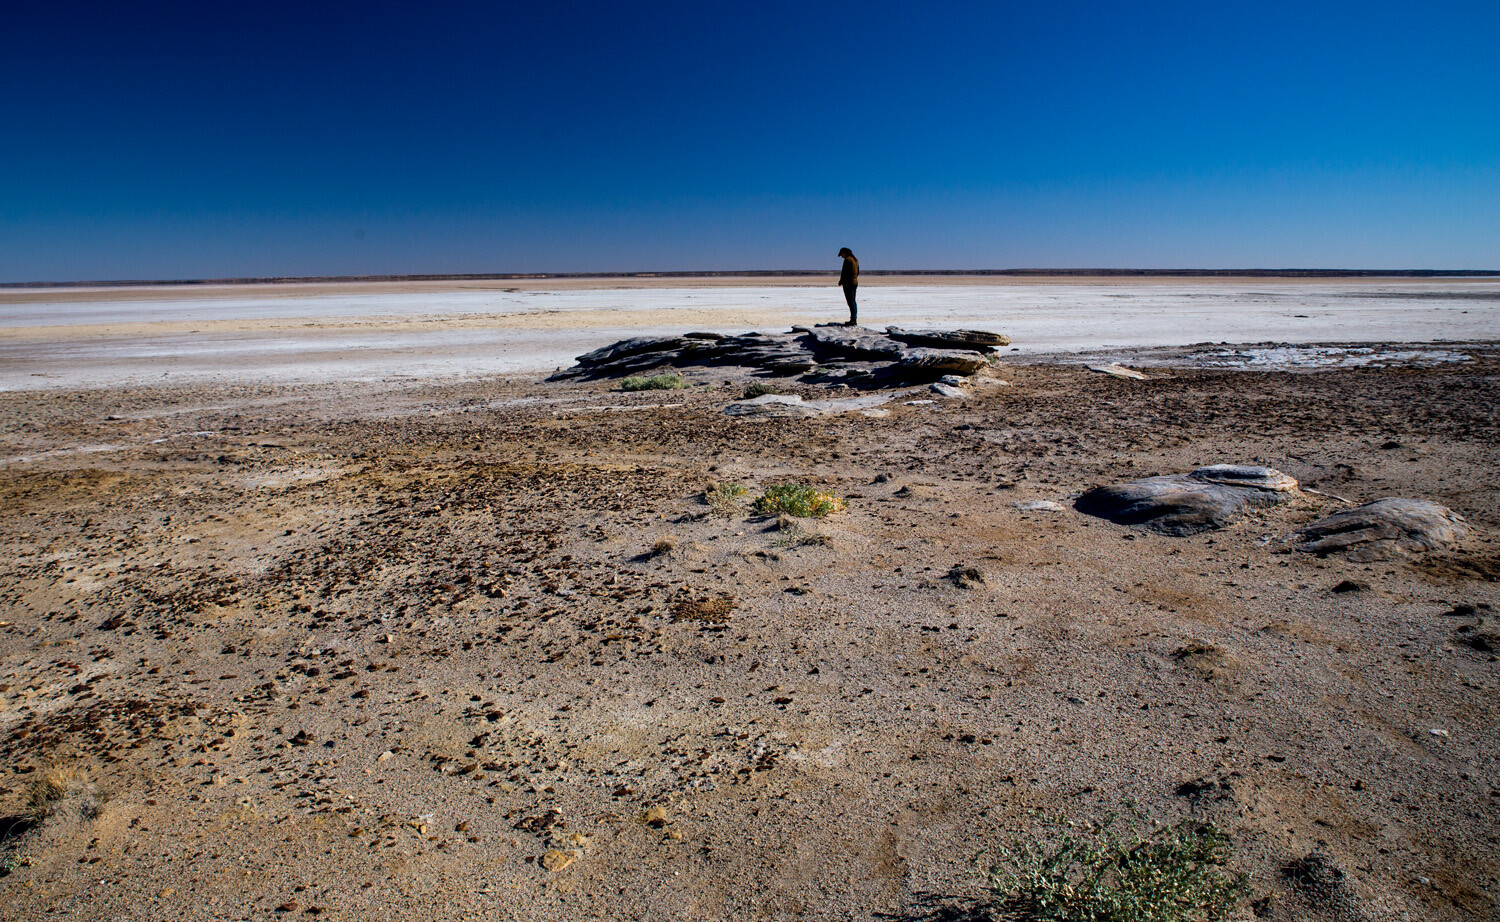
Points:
(481, 650)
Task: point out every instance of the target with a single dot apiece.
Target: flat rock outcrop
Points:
(1382, 529)
(893, 357)
(1184, 504)
(775, 406)
(978, 340)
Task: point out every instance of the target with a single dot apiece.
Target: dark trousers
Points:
(849, 297)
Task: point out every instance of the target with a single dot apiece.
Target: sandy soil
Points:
(404, 651)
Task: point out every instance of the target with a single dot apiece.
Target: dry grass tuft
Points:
(60, 787)
(725, 499)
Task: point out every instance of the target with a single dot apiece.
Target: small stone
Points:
(385, 756)
(966, 577)
(1040, 505)
(949, 391)
(1436, 732)
(556, 860)
(1350, 585)
(655, 817)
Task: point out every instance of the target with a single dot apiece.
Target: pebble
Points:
(1040, 505)
(555, 860)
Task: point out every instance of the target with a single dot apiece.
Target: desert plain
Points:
(337, 609)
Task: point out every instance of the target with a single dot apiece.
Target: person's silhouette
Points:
(849, 280)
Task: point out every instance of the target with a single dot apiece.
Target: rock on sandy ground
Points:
(483, 651)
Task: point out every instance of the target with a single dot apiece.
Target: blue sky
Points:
(179, 141)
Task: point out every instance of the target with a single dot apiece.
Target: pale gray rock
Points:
(770, 406)
(1040, 505)
(1246, 475)
(1184, 504)
(949, 391)
(1119, 371)
(1385, 528)
(792, 405)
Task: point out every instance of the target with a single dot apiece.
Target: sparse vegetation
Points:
(1143, 872)
(725, 499)
(799, 500)
(58, 785)
(758, 389)
(663, 546)
(668, 382)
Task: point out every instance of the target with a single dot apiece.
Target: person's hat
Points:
(845, 252)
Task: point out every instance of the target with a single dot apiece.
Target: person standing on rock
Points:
(849, 280)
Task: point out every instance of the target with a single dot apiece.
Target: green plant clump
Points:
(1091, 873)
(758, 389)
(797, 499)
(667, 382)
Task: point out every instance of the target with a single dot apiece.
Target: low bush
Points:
(1144, 872)
(667, 382)
(758, 389)
(799, 500)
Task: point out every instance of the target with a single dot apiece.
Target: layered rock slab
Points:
(1183, 504)
(1382, 529)
(896, 355)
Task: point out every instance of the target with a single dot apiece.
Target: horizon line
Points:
(753, 273)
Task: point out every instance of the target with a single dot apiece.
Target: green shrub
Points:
(758, 389)
(797, 499)
(1092, 873)
(668, 382)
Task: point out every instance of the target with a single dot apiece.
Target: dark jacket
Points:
(849, 276)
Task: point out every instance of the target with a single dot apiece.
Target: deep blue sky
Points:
(158, 140)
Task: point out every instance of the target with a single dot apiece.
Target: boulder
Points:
(949, 391)
(1385, 528)
(939, 362)
(1183, 504)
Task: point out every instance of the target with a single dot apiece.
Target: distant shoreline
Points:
(773, 273)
